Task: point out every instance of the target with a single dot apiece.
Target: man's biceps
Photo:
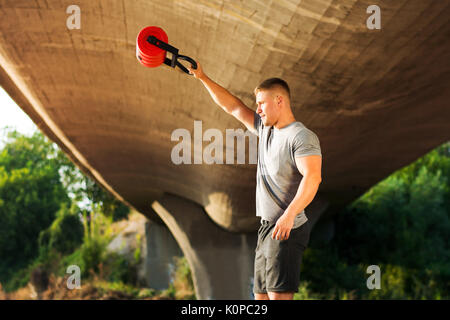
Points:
(309, 164)
(309, 158)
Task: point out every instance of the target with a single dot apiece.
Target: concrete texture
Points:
(221, 262)
(157, 250)
(377, 99)
(162, 248)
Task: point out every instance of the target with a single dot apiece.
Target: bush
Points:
(97, 235)
(182, 286)
(66, 232)
(119, 269)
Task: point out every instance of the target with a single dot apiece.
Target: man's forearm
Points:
(305, 194)
(220, 95)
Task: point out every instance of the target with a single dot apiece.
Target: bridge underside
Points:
(377, 99)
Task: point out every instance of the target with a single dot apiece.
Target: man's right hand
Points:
(198, 73)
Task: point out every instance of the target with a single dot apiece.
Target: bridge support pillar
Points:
(221, 262)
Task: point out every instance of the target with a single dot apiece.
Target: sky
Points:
(13, 117)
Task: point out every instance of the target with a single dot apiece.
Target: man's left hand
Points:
(283, 226)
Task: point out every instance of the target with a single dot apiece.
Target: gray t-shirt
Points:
(278, 178)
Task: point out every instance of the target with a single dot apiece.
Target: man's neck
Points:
(284, 121)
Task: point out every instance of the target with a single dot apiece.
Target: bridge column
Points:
(221, 262)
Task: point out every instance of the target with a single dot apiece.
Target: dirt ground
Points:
(57, 290)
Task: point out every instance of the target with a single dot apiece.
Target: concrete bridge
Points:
(377, 99)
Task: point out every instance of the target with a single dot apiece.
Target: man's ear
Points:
(279, 100)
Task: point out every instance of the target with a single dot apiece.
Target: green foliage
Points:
(328, 276)
(305, 293)
(93, 258)
(402, 225)
(107, 203)
(74, 258)
(394, 280)
(137, 252)
(119, 269)
(39, 225)
(66, 232)
(28, 152)
(31, 193)
(182, 285)
(97, 235)
(37, 151)
(47, 260)
(124, 288)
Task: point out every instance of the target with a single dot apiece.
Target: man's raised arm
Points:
(228, 102)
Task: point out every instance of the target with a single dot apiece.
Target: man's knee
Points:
(261, 296)
(281, 295)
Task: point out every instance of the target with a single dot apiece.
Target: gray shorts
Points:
(277, 262)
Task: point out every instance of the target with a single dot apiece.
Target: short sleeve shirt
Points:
(278, 178)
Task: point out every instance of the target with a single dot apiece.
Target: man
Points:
(288, 177)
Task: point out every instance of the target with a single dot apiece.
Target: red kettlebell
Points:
(151, 48)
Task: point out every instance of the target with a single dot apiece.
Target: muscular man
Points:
(288, 177)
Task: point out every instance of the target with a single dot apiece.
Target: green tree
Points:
(109, 205)
(81, 188)
(30, 194)
(39, 183)
(403, 223)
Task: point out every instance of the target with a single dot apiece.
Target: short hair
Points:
(273, 83)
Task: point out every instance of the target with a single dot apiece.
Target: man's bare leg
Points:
(261, 296)
(281, 295)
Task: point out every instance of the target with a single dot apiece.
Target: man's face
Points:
(267, 108)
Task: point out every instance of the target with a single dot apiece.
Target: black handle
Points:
(188, 59)
(175, 56)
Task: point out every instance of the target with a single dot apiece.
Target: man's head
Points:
(272, 99)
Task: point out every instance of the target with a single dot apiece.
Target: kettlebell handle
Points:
(188, 59)
(175, 56)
